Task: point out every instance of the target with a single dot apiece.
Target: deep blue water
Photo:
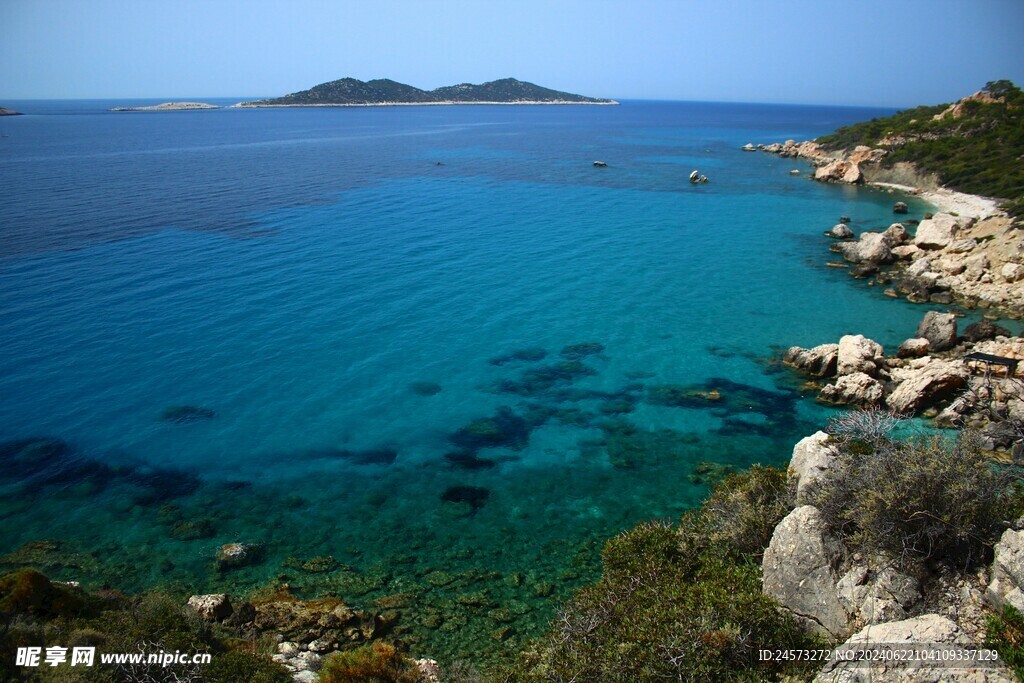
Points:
(298, 271)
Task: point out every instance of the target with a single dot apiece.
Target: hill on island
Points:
(975, 145)
(353, 92)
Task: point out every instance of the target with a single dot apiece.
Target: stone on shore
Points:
(799, 570)
(936, 232)
(984, 330)
(820, 361)
(855, 389)
(1012, 272)
(211, 607)
(939, 329)
(896, 234)
(857, 353)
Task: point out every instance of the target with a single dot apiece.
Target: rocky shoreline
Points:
(970, 252)
(171, 106)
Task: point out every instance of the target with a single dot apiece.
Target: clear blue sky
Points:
(871, 52)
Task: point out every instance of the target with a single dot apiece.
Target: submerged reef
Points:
(530, 355)
(503, 429)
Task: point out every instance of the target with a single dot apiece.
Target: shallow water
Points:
(334, 284)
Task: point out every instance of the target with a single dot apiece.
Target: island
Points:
(171, 106)
(351, 92)
(9, 112)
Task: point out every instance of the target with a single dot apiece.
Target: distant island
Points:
(351, 92)
(170, 106)
(9, 112)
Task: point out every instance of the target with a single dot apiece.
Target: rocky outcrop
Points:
(812, 460)
(232, 555)
(1008, 571)
(799, 570)
(855, 389)
(927, 382)
(984, 330)
(921, 631)
(821, 361)
(839, 172)
(939, 329)
(857, 353)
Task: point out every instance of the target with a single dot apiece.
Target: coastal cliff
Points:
(351, 92)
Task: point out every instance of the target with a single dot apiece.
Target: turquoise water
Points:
(346, 307)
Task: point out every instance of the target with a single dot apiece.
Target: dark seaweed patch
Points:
(469, 461)
(474, 496)
(581, 350)
(530, 355)
(503, 429)
(425, 388)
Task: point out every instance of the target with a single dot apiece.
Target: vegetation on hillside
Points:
(386, 91)
(680, 602)
(981, 151)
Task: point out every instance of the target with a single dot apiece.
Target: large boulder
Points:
(936, 232)
(1012, 272)
(927, 383)
(924, 631)
(812, 459)
(799, 570)
(820, 361)
(896, 234)
(1008, 571)
(855, 389)
(857, 353)
(983, 330)
(872, 247)
(939, 329)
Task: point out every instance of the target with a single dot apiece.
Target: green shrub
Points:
(920, 498)
(745, 507)
(670, 605)
(376, 663)
(1005, 633)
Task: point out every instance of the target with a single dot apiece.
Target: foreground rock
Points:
(921, 631)
(926, 383)
(856, 389)
(821, 361)
(812, 460)
(939, 329)
(799, 570)
(1008, 571)
(214, 607)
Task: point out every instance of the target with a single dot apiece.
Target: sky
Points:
(895, 53)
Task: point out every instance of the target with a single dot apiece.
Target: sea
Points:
(425, 360)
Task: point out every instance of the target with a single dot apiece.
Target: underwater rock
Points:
(617, 406)
(530, 355)
(29, 456)
(373, 456)
(581, 350)
(183, 414)
(425, 388)
(192, 530)
(504, 429)
(710, 473)
(630, 447)
(161, 484)
(469, 461)
(316, 565)
(677, 396)
(232, 555)
(474, 496)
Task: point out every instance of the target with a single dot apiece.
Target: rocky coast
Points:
(171, 106)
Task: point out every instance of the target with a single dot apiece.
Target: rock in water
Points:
(820, 361)
(899, 207)
(872, 247)
(913, 348)
(840, 231)
(939, 329)
(923, 387)
(233, 555)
